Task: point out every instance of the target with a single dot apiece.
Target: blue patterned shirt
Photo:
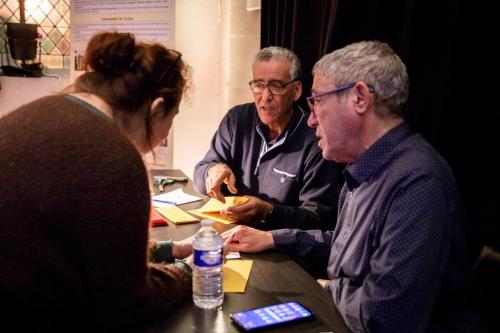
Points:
(397, 260)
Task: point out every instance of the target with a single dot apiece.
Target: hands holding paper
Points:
(218, 174)
(246, 239)
(254, 209)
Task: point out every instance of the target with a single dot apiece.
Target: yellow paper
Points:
(236, 273)
(211, 209)
(176, 215)
(214, 205)
(212, 216)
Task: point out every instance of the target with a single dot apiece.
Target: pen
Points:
(229, 239)
(165, 201)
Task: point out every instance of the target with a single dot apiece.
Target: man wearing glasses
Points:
(266, 151)
(397, 260)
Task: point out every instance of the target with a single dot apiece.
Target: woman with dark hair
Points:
(74, 194)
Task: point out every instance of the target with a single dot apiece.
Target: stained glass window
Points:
(53, 18)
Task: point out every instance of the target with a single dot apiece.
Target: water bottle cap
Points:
(207, 223)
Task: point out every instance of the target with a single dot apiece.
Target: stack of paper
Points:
(176, 215)
(176, 197)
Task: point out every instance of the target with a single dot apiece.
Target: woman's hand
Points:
(183, 248)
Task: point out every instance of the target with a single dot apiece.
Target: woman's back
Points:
(74, 212)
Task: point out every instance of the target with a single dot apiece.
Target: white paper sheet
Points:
(175, 197)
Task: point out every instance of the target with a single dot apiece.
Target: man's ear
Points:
(157, 107)
(363, 99)
(297, 91)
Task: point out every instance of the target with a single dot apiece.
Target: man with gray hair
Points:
(397, 260)
(265, 151)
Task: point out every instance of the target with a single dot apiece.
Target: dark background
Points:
(449, 50)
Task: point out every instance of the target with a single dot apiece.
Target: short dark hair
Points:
(271, 52)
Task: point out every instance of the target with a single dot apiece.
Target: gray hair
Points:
(271, 52)
(374, 63)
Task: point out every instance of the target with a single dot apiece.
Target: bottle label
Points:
(204, 258)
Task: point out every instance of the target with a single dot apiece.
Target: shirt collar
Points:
(86, 105)
(375, 156)
(290, 128)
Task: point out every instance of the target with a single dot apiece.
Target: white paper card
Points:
(233, 255)
(175, 197)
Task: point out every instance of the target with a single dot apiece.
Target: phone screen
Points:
(271, 315)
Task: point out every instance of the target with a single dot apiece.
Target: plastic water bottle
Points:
(208, 291)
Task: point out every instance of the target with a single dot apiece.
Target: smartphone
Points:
(271, 315)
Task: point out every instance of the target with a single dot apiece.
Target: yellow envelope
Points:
(236, 273)
(176, 215)
(212, 216)
(211, 209)
(214, 205)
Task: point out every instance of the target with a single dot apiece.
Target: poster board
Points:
(148, 20)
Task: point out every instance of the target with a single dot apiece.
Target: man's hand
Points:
(252, 210)
(247, 239)
(218, 174)
(183, 248)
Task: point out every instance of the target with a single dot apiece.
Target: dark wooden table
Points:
(274, 278)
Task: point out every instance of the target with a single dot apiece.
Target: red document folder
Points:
(156, 220)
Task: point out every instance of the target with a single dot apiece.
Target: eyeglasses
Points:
(275, 87)
(312, 100)
(171, 66)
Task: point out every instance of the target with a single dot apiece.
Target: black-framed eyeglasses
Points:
(171, 66)
(275, 87)
(313, 99)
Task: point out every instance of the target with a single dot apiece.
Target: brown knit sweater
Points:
(74, 211)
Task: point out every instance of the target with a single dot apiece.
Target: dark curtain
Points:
(302, 26)
(448, 47)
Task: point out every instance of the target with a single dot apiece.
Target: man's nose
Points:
(267, 94)
(312, 121)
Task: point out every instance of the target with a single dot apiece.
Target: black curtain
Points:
(448, 47)
(302, 26)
